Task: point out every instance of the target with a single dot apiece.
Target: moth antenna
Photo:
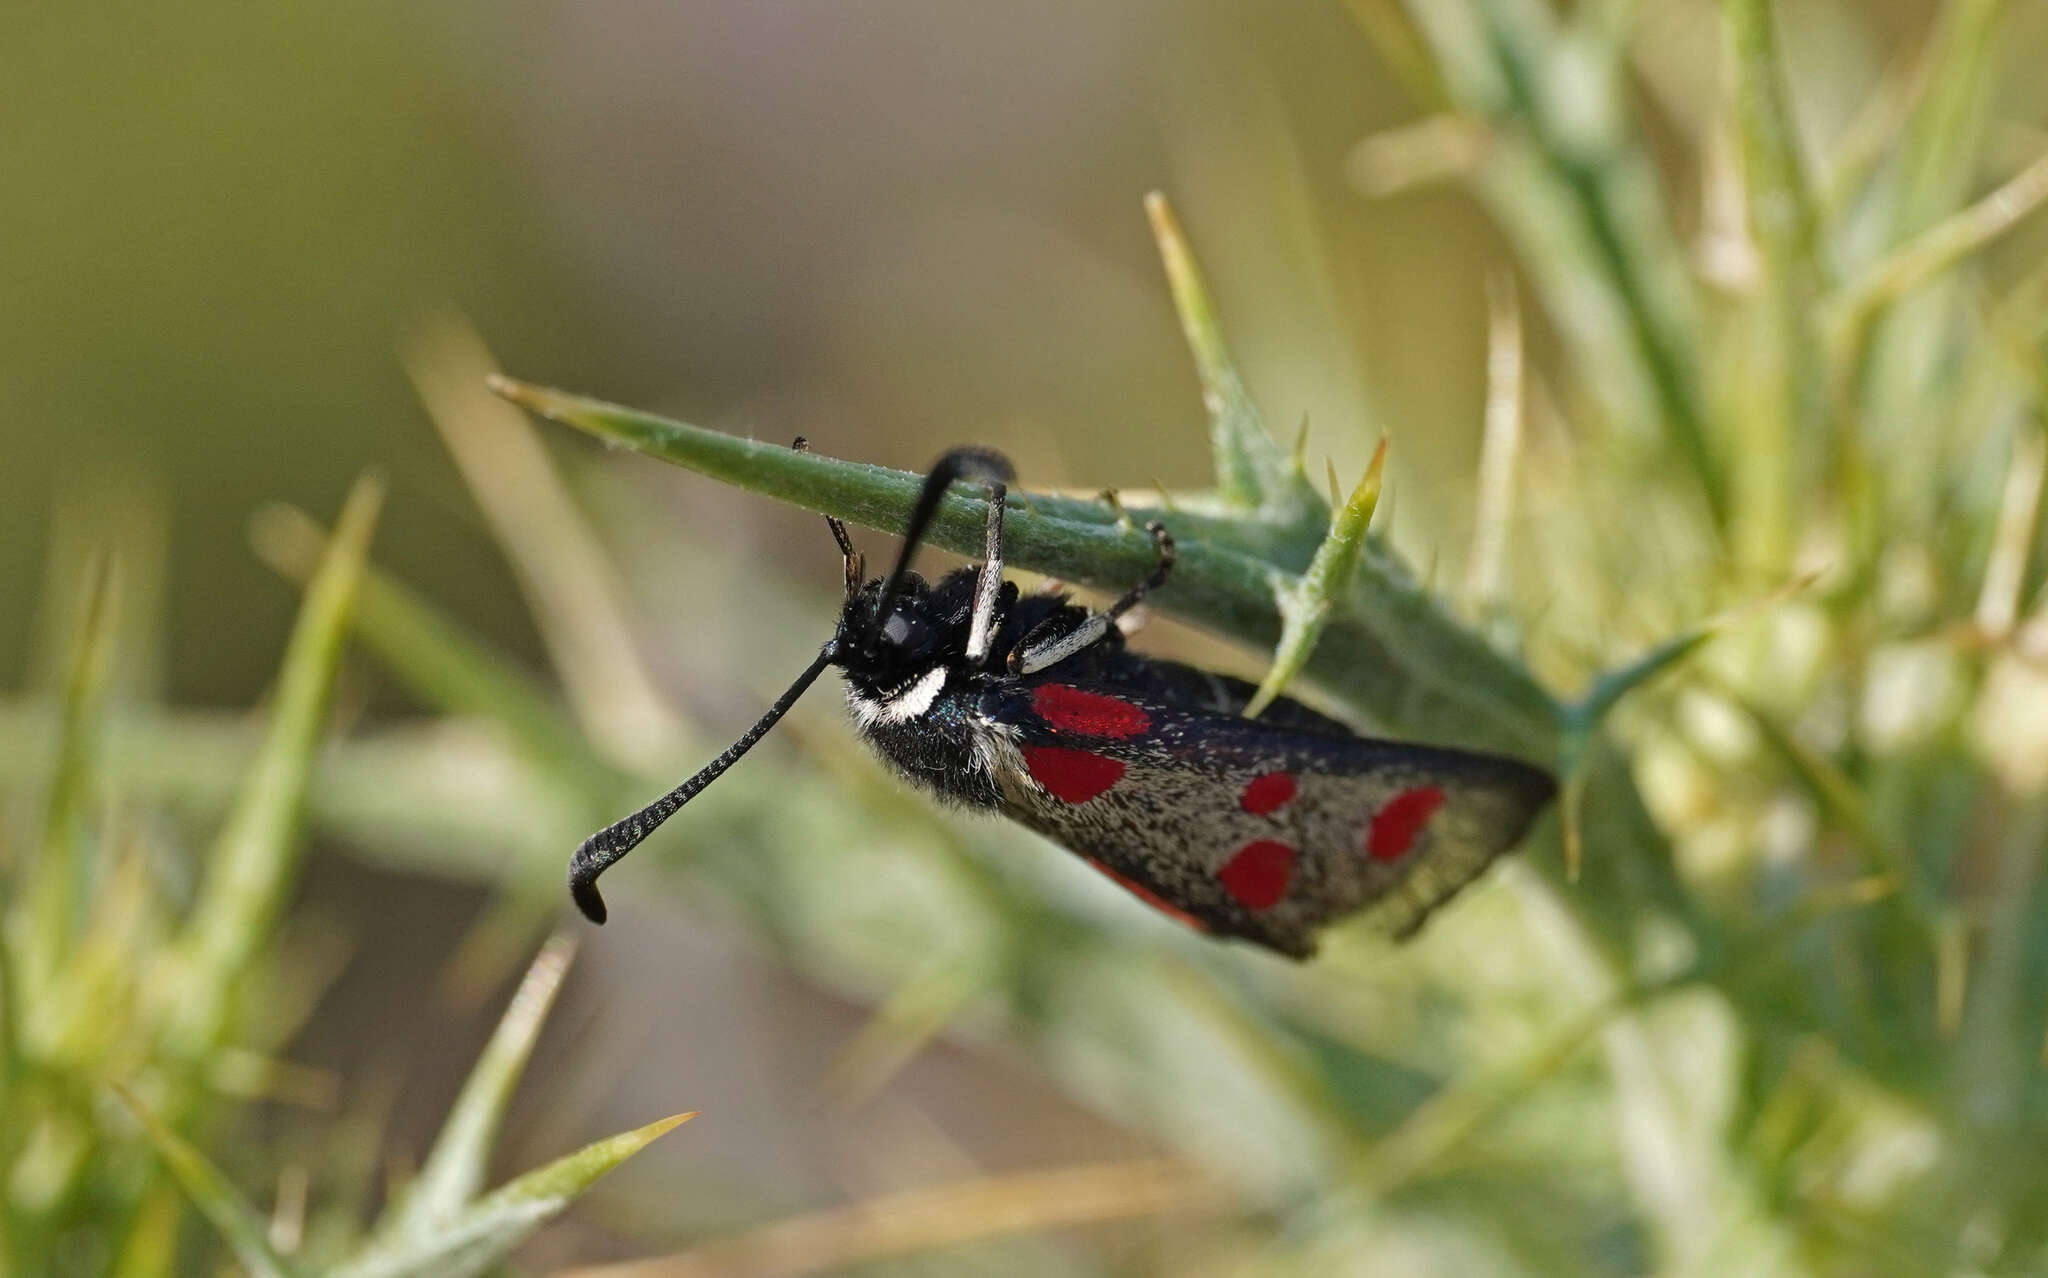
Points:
(961, 463)
(848, 556)
(602, 849)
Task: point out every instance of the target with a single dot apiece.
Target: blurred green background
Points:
(1769, 337)
(893, 227)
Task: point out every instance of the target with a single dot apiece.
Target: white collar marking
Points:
(910, 703)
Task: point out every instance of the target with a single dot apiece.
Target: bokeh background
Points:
(239, 242)
(892, 227)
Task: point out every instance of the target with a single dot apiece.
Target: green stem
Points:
(1589, 177)
(1390, 652)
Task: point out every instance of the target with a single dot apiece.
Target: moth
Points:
(1031, 706)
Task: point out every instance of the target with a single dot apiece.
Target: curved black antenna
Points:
(600, 850)
(961, 463)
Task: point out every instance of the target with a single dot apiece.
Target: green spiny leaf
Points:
(1306, 604)
(481, 1234)
(572, 590)
(447, 667)
(1572, 183)
(1081, 541)
(1942, 142)
(239, 1223)
(1394, 38)
(455, 1168)
(1838, 797)
(1783, 210)
(392, 797)
(1580, 722)
(1585, 715)
(252, 865)
(1392, 652)
(1582, 718)
(151, 1247)
(1936, 250)
(1251, 471)
(49, 913)
(1580, 725)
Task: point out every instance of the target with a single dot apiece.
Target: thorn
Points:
(1306, 603)
(1299, 459)
(1437, 148)
(1998, 599)
(1375, 477)
(1610, 686)
(1500, 443)
(1123, 517)
(288, 1214)
(1249, 467)
(512, 389)
(1938, 248)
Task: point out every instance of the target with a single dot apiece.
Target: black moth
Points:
(1265, 829)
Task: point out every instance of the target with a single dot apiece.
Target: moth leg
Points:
(1046, 646)
(849, 558)
(981, 623)
(1162, 545)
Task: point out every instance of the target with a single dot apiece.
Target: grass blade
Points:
(49, 913)
(1250, 468)
(252, 864)
(436, 659)
(1939, 248)
(1305, 607)
(1572, 183)
(930, 1219)
(1500, 446)
(239, 1223)
(455, 1168)
(484, 1232)
(571, 587)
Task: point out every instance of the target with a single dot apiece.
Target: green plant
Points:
(1767, 998)
(1823, 447)
(112, 988)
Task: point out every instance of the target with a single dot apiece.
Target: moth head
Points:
(888, 643)
(890, 634)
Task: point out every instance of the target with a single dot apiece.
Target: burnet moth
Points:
(1265, 829)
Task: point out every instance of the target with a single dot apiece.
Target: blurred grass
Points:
(1786, 1014)
(111, 985)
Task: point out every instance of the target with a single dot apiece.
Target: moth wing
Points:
(1252, 829)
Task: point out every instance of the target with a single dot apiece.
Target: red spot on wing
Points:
(1072, 776)
(1395, 825)
(1257, 876)
(1151, 898)
(1268, 793)
(1068, 709)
